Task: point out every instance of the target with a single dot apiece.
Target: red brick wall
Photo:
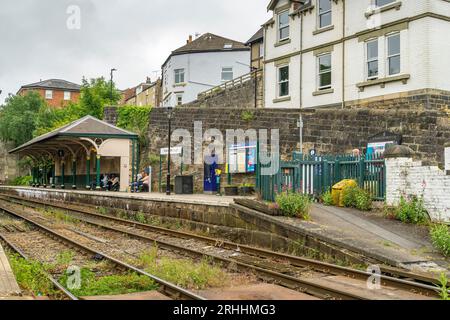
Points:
(58, 97)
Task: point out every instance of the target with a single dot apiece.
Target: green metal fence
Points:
(316, 175)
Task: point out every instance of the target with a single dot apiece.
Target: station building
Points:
(77, 155)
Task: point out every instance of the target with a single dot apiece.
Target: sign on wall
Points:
(378, 143)
(173, 151)
(242, 158)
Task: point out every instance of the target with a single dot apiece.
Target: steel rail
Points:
(422, 284)
(166, 287)
(302, 285)
(59, 286)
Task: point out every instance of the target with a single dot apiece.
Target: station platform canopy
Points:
(71, 148)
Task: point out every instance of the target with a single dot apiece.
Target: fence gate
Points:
(316, 175)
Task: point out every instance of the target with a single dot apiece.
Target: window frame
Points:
(182, 71)
(48, 94)
(280, 82)
(179, 96)
(320, 14)
(223, 72)
(388, 56)
(370, 60)
(280, 28)
(67, 95)
(321, 72)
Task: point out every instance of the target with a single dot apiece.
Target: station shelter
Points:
(78, 155)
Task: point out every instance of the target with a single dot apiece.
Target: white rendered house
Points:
(335, 52)
(200, 65)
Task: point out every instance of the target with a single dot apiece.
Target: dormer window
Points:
(283, 25)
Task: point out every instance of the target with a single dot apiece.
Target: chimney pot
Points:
(190, 38)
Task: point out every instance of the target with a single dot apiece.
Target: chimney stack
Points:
(190, 39)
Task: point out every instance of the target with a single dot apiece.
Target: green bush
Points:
(440, 236)
(411, 211)
(22, 181)
(327, 199)
(355, 197)
(294, 205)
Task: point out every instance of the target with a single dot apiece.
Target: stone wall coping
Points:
(131, 196)
(399, 152)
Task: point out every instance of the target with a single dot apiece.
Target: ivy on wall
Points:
(135, 119)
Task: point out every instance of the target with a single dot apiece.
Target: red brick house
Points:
(57, 93)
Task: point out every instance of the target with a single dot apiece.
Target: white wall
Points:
(405, 177)
(424, 53)
(202, 72)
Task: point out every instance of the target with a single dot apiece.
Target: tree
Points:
(95, 94)
(17, 117)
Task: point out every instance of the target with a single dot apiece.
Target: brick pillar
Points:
(398, 159)
(447, 158)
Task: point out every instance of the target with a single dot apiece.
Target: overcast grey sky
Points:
(134, 36)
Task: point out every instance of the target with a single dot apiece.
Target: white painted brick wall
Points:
(406, 177)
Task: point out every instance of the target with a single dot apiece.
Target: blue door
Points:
(210, 180)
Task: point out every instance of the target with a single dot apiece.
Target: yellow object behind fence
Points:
(336, 192)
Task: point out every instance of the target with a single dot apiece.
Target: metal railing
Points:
(230, 84)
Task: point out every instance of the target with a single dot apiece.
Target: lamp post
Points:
(112, 75)
(169, 116)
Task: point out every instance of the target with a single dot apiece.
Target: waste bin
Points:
(336, 193)
(184, 185)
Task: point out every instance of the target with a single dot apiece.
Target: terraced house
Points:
(336, 53)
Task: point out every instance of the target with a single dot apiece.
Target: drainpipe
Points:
(343, 54)
(301, 60)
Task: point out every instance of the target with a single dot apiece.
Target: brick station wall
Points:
(423, 118)
(406, 177)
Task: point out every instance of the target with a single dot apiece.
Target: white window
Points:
(228, 46)
(393, 54)
(261, 50)
(283, 81)
(283, 25)
(67, 95)
(324, 71)
(380, 3)
(179, 75)
(48, 94)
(179, 99)
(372, 59)
(324, 13)
(227, 74)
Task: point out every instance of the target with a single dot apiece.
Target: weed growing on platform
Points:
(355, 197)
(443, 280)
(327, 199)
(92, 285)
(440, 236)
(411, 211)
(183, 272)
(102, 210)
(31, 276)
(294, 205)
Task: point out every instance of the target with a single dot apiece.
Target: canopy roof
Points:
(87, 127)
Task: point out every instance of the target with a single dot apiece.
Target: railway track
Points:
(264, 263)
(9, 244)
(165, 287)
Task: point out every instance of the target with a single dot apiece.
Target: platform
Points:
(8, 284)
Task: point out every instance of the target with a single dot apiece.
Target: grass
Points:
(408, 211)
(60, 216)
(184, 273)
(440, 236)
(444, 287)
(294, 205)
(31, 275)
(93, 285)
(327, 199)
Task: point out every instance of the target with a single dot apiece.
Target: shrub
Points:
(355, 197)
(294, 205)
(440, 236)
(247, 116)
(327, 199)
(22, 181)
(411, 211)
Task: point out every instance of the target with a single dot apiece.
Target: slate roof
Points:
(258, 36)
(209, 43)
(84, 127)
(54, 84)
